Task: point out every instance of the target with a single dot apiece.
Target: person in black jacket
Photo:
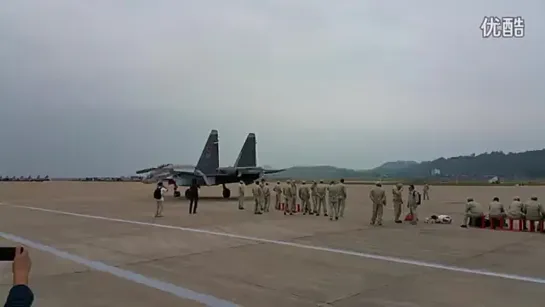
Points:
(193, 196)
(20, 294)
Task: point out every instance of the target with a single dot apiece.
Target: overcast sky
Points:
(107, 87)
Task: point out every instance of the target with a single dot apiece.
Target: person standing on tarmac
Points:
(413, 201)
(378, 197)
(426, 192)
(262, 198)
(333, 201)
(397, 199)
(241, 192)
(342, 197)
(193, 196)
(293, 199)
(267, 197)
(321, 191)
(277, 195)
(159, 195)
(314, 196)
(287, 197)
(256, 193)
(304, 195)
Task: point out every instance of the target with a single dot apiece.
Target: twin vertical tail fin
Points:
(247, 155)
(209, 161)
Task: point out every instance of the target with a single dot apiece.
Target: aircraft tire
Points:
(226, 193)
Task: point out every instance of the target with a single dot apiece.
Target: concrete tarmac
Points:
(97, 244)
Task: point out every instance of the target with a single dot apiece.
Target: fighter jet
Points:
(207, 172)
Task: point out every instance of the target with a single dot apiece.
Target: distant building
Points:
(494, 180)
(436, 172)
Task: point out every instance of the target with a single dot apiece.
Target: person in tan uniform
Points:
(277, 195)
(293, 199)
(378, 197)
(314, 195)
(257, 194)
(287, 197)
(412, 204)
(342, 198)
(397, 199)
(267, 197)
(304, 195)
(473, 210)
(262, 198)
(333, 191)
(241, 192)
(321, 191)
(496, 211)
(426, 192)
(532, 208)
(516, 209)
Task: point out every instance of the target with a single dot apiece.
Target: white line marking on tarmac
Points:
(208, 300)
(432, 265)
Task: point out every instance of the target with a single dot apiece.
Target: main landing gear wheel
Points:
(226, 192)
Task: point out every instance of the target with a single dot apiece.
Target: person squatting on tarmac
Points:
(267, 196)
(333, 201)
(397, 199)
(426, 192)
(193, 196)
(304, 195)
(159, 195)
(378, 197)
(321, 191)
(342, 198)
(241, 192)
(314, 196)
(515, 211)
(412, 204)
(256, 193)
(473, 210)
(277, 195)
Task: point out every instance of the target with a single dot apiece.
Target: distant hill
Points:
(396, 165)
(521, 165)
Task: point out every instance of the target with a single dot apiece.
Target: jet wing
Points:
(146, 170)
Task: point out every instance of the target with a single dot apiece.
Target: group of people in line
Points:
(316, 198)
(312, 197)
(531, 210)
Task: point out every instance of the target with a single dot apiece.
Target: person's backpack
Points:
(157, 193)
(418, 198)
